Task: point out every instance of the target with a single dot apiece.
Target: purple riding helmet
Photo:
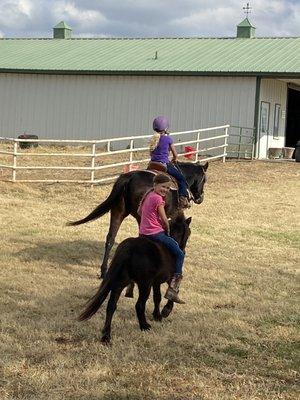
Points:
(160, 124)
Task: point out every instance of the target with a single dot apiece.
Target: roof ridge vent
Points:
(62, 31)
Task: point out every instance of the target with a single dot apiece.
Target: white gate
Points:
(196, 145)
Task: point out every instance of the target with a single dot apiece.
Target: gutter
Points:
(153, 73)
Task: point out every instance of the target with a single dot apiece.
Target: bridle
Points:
(191, 196)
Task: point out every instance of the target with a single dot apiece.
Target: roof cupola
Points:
(245, 29)
(62, 31)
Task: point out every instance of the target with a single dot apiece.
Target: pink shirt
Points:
(150, 219)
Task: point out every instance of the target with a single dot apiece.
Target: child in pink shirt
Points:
(155, 226)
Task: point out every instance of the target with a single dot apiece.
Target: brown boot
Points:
(183, 202)
(173, 289)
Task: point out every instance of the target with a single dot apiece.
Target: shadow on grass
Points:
(77, 252)
(182, 342)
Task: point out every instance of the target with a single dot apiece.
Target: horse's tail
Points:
(96, 301)
(120, 259)
(107, 204)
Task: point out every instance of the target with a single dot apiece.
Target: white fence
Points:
(204, 148)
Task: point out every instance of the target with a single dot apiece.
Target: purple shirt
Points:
(161, 151)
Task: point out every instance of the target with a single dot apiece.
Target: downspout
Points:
(256, 116)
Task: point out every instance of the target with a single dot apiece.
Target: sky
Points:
(147, 18)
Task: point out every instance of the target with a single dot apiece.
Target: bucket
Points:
(188, 149)
(288, 152)
(130, 167)
(275, 152)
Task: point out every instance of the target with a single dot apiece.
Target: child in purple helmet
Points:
(160, 146)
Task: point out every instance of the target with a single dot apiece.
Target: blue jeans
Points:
(171, 245)
(182, 184)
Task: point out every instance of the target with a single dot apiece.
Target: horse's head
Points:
(197, 181)
(180, 229)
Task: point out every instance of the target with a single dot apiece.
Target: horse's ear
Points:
(188, 220)
(205, 166)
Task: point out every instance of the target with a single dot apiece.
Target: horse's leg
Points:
(156, 299)
(166, 311)
(129, 290)
(144, 292)
(110, 309)
(130, 287)
(117, 216)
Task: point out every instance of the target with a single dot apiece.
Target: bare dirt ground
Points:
(236, 338)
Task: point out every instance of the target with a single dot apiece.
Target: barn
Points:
(96, 88)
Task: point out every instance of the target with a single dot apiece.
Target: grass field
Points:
(236, 338)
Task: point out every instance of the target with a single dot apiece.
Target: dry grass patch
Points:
(234, 339)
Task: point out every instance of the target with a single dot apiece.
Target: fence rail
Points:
(210, 151)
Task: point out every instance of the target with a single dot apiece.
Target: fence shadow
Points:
(62, 253)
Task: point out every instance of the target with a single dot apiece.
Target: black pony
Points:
(145, 262)
(126, 195)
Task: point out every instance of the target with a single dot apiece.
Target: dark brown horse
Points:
(126, 195)
(145, 262)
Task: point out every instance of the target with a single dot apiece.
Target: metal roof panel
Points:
(173, 55)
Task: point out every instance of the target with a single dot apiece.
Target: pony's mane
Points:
(180, 217)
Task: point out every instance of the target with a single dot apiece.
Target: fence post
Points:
(14, 174)
(131, 154)
(93, 162)
(197, 147)
(225, 145)
(253, 145)
(240, 141)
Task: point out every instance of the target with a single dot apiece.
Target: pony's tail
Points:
(105, 207)
(154, 141)
(118, 263)
(96, 301)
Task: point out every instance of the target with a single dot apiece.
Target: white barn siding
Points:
(99, 106)
(274, 92)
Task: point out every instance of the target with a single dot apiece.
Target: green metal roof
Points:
(203, 56)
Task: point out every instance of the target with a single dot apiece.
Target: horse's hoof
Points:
(166, 311)
(145, 327)
(157, 317)
(102, 274)
(105, 340)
